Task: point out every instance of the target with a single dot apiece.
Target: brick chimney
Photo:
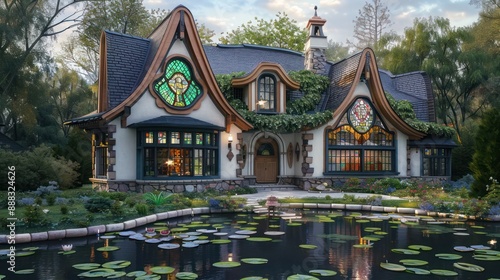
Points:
(316, 45)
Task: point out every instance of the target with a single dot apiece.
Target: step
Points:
(274, 187)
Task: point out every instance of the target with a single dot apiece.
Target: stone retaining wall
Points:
(100, 229)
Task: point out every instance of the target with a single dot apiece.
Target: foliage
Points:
(116, 208)
(281, 32)
(405, 110)
(39, 166)
(493, 192)
(64, 209)
(98, 204)
(486, 159)
(33, 215)
(336, 51)
(372, 20)
(142, 209)
(297, 116)
(156, 198)
(44, 191)
(226, 202)
(205, 33)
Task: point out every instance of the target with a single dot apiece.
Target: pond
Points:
(351, 245)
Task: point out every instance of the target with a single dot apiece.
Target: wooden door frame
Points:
(274, 143)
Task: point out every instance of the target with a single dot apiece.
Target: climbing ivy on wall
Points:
(296, 118)
(405, 110)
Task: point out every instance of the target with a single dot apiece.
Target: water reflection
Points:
(334, 241)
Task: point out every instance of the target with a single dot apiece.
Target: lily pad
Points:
(362, 221)
(420, 247)
(66, 252)
(253, 278)
(169, 246)
(417, 271)
(107, 249)
(487, 252)
(116, 264)
(25, 271)
(412, 262)
(86, 266)
(274, 233)
(24, 253)
(322, 272)
(448, 256)
(254, 260)
(443, 272)
(226, 264)
(99, 272)
(117, 274)
(162, 269)
(31, 248)
(308, 246)
(405, 251)
(486, 258)
(392, 266)
(259, 239)
(149, 277)
(468, 267)
(293, 224)
(136, 273)
(186, 275)
(363, 246)
(301, 277)
(220, 241)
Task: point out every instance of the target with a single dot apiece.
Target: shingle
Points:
(127, 58)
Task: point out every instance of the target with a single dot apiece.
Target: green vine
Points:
(405, 110)
(296, 118)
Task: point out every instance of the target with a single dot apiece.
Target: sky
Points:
(225, 15)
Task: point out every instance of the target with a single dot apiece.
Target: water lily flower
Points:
(45, 211)
(67, 247)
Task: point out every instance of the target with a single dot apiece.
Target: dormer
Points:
(264, 89)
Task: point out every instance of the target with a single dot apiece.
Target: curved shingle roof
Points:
(226, 59)
(127, 58)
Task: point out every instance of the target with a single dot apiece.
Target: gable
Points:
(179, 26)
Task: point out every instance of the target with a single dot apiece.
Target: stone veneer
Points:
(307, 170)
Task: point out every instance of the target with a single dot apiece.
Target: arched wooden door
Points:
(266, 165)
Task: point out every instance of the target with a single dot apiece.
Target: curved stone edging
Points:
(100, 229)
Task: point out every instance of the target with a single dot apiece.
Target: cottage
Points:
(163, 122)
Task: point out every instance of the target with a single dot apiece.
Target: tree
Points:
(24, 27)
(122, 16)
(281, 32)
(336, 51)
(486, 160)
(370, 24)
(205, 34)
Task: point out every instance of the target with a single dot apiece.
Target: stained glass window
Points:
(361, 116)
(177, 86)
(149, 137)
(162, 137)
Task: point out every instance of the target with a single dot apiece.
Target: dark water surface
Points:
(334, 241)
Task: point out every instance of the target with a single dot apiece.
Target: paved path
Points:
(263, 194)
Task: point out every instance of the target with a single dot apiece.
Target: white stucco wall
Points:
(126, 147)
(228, 167)
(415, 162)
(402, 163)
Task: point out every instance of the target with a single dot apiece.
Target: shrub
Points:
(120, 196)
(34, 216)
(64, 209)
(142, 209)
(130, 202)
(51, 199)
(39, 166)
(156, 198)
(44, 191)
(98, 204)
(352, 184)
(26, 201)
(116, 208)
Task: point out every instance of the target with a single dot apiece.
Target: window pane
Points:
(209, 139)
(199, 138)
(175, 138)
(198, 162)
(149, 162)
(162, 137)
(188, 138)
(149, 137)
(101, 161)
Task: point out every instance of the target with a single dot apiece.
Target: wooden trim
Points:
(102, 100)
(159, 101)
(267, 67)
(378, 98)
(200, 65)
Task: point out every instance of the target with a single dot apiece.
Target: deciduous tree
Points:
(281, 32)
(371, 23)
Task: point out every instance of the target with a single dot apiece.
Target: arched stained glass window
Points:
(177, 87)
(361, 116)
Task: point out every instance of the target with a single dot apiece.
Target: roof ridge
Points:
(402, 74)
(127, 35)
(253, 46)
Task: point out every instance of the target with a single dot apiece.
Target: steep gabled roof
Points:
(9, 144)
(345, 76)
(116, 93)
(416, 88)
